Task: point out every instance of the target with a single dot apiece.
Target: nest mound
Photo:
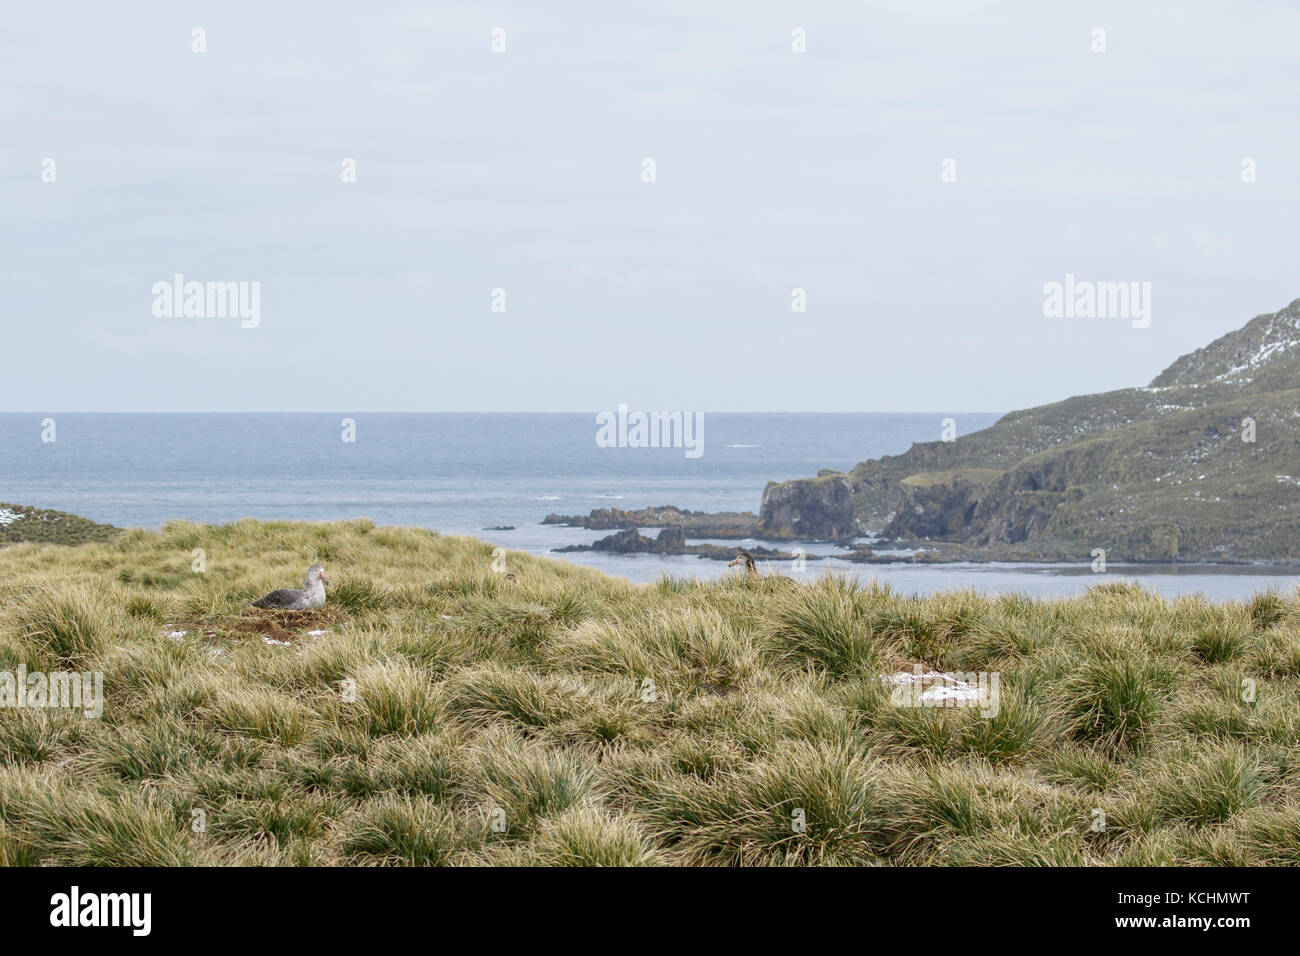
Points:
(281, 625)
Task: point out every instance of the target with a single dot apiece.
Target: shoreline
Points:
(715, 552)
(1044, 578)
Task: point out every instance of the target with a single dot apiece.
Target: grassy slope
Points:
(23, 523)
(1190, 477)
(475, 692)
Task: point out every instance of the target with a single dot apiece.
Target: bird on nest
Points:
(310, 595)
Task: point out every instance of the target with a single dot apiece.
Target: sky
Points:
(523, 170)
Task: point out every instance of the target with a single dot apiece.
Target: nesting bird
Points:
(310, 595)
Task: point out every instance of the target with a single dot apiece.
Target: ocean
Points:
(464, 473)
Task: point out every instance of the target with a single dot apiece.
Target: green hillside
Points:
(20, 523)
(1158, 473)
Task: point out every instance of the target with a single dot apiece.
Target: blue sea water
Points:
(463, 473)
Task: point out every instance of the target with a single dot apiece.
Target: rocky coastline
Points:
(672, 540)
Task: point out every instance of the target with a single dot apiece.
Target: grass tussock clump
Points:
(65, 624)
(1204, 787)
(587, 836)
(405, 831)
(803, 804)
(1017, 729)
(1115, 685)
(824, 626)
(440, 712)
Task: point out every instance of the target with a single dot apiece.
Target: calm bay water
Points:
(462, 473)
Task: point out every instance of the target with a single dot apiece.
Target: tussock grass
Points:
(392, 698)
(825, 626)
(804, 803)
(1115, 685)
(65, 624)
(1019, 729)
(517, 783)
(1219, 637)
(66, 826)
(583, 837)
(1204, 787)
(404, 830)
(437, 712)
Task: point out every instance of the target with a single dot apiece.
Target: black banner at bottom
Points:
(333, 906)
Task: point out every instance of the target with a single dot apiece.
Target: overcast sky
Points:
(522, 171)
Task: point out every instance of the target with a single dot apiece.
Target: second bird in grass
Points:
(310, 595)
(744, 560)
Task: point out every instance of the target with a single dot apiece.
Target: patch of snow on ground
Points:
(316, 633)
(8, 516)
(269, 641)
(1265, 352)
(937, 686)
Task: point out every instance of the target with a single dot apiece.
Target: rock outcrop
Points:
(810, 508)
(937, 504)
(672, 540)
(700, 524)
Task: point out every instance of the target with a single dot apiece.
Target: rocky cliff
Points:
(809, 508)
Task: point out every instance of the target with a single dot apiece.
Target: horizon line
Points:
(277, 411)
